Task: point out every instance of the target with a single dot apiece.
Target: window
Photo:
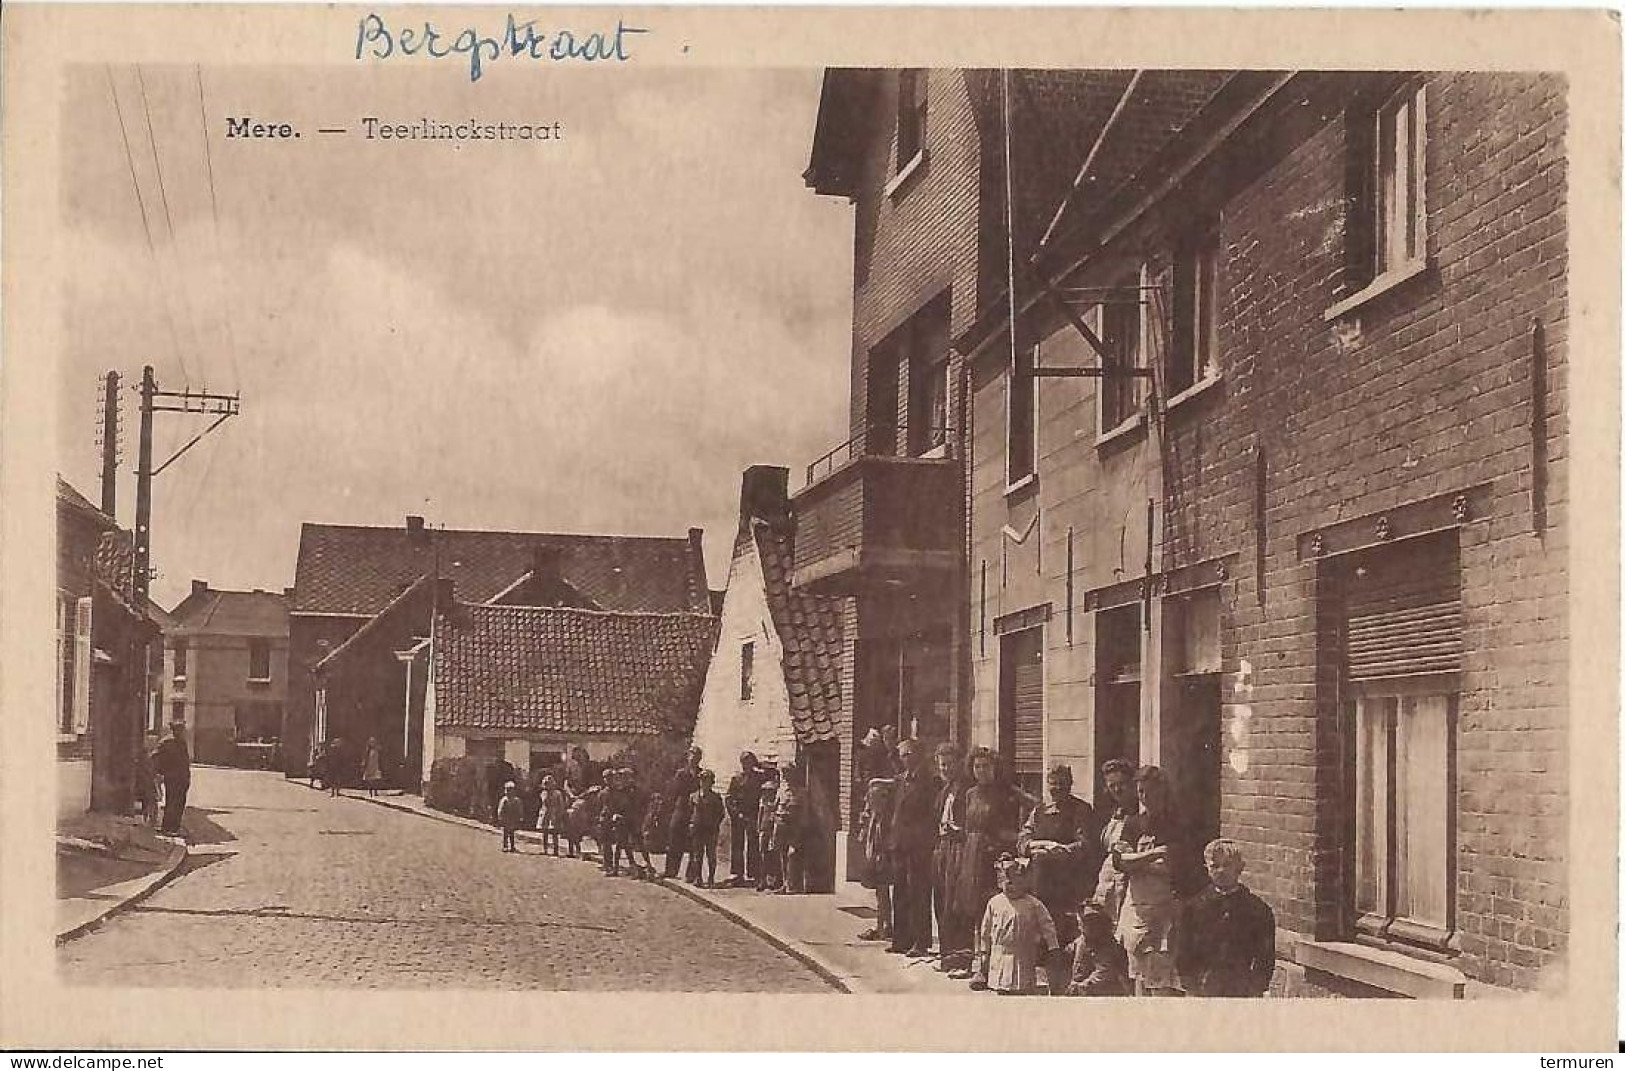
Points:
(747, 670)
(1403, 781)
(1117, 688)
(64, 664)
(922, 351)
(1120, 322)
(257, 723)
(1402, 651)
(911, 103)
(1400, 181)
(259, 660)
(1194, 355)
(1021, 457)
(177, 711)
(180, 649)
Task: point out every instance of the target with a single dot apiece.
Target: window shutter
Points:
(1404, 629)
(81, 666)
(1029, 704)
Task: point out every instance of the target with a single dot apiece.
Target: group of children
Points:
(1223, 945)
(628, 823)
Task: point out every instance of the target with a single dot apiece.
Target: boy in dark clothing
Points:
(510, 813)
(704, 828)
(1100, 966)
(767, 879)
(1227, 936)
(744, 800)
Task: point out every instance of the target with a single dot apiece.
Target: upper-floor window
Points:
(1021, 446)
(259, 660)
(1399, 180)
(1120, 321)
(911, 104)
(922, 355)
(1193, 357)
(747, 670)
(180, 648)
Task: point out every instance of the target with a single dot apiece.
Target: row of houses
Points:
(1216, 420)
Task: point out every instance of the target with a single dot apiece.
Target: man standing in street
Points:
(912, 841)
(174, 764)
(680, 796)
(744, 799)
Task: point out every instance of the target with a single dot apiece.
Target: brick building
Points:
(363, 598)
(226, 673)
(1310, 559)
(103, 694)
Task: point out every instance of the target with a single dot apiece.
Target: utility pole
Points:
(110, 446)
(143, 492)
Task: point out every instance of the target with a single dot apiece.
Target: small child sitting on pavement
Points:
(1100, 966)
(1227, 934)
(510, 815)
(1016, 934)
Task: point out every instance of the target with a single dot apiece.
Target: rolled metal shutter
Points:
(1029, 703)
(1404, 622)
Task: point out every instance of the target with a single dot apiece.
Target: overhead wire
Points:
(169, 222)
(146, 225)
(219, 246)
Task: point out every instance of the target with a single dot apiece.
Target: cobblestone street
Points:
(311, 891)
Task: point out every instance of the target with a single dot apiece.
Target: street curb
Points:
(798, 950)
(139, 889)
(831, 974)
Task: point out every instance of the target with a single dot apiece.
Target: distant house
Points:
(226, 673)
(531, 683)
(363, 598)
(102, 640)
(776, 677)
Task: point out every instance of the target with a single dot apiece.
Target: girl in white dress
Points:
(1017, 934)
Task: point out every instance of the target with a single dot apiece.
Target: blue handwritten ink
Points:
(376, 40)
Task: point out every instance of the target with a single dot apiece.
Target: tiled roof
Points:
(233, 613)
(345, 569)
(68, 495)
(809, 629)
(567, 670)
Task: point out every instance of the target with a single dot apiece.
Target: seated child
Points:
(550, 814)
(1227, 934)
(1016, 934)
(1100, 966)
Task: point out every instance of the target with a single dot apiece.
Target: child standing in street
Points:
(704, 828)
(510, 814)
(767, 880)
(550, 814)
(1227, 935)
(1016, 934)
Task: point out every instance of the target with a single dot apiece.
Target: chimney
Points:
(287, 593)
(200, 587)
(764, 495)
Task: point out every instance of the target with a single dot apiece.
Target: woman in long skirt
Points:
(992, 818)
(372, 768)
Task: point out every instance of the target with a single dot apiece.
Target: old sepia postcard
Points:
(575, 527)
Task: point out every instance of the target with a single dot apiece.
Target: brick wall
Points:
(1425, 391)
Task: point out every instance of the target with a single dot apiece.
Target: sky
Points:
(593, 335)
